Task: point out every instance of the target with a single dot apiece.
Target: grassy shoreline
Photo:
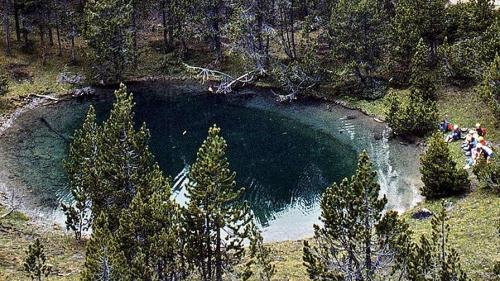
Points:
(472, 217)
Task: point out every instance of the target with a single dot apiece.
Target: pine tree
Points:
(151, 234)
(250, 32)
(35, 263)
(432, 258)
(217, 223)
(356, 241)
(358, 37)
(124, 161)
(260, 264)
(439, 171)
(413, 20)
(422, 79)
(4, 84)
(411, 115)
(82, 173)
(490, 89)
(109, 36)
(103, 259)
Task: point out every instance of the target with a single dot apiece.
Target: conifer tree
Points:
(217, 223)
(413, 20)
(4, 83)
(103, 259)
(260, 265)
(82, 173)
(432, 258)
(358, 36)
(490, 88)
(124, 161)
(411, 115)
(151, 234)
(422, 78)
(439, 171)
(35, 263)
(110, 38)
(356, 241)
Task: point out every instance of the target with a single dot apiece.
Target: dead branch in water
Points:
(227, 82)
(12, 206)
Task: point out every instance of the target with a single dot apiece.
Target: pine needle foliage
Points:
(81, 170)
(35, 263)
(440, 174)
(217, 222)
(432, 258)
(356, 241)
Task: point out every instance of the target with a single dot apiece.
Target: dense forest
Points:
(364, 49)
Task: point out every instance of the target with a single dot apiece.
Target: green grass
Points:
(472, 218)
(17, 232)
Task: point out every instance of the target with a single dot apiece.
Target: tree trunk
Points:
(42, 43)
(6, 26)
(164, 23)
(16, 19)
(209, 249)
(218, 258)
(49, 26)
(58, 32)
(73, 51)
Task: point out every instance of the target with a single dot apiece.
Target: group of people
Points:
(474, 143)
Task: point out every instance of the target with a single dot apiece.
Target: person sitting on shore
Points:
(455, 135)
(481, 140)
(444, 125)
(486, 152)
(480, 130)
(471, 140)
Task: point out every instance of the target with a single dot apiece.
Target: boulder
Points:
(422, 214)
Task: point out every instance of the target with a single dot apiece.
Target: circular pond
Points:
(284, 155)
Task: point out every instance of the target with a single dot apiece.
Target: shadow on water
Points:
(284, 156)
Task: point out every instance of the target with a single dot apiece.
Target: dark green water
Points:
(283, 163)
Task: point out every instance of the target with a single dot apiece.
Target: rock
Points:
(377, 135)
(350, 117)
(82, 92)
(69, 78)
(422, 214)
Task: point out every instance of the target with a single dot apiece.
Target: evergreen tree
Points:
(432, 258)
(103, 259)
(110, 38)
(422, 78)
(260, 263)
(490, 88)
(250, 31)
(35, 263)
(413, 20)
(358, 36)
(82, 173)
(4, 84)
(488, 173)
(439, 171)
(356, 241)
(411, 115)
(124, 161)
(151, 234)
(217, 223)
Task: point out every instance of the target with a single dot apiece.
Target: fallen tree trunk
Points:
(227, 82)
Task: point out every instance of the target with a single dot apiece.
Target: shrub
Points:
(489, 89)
(4, 84)
(439, 171)
(488, 174)
(411, 115)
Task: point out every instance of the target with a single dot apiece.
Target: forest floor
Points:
(473, 217)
